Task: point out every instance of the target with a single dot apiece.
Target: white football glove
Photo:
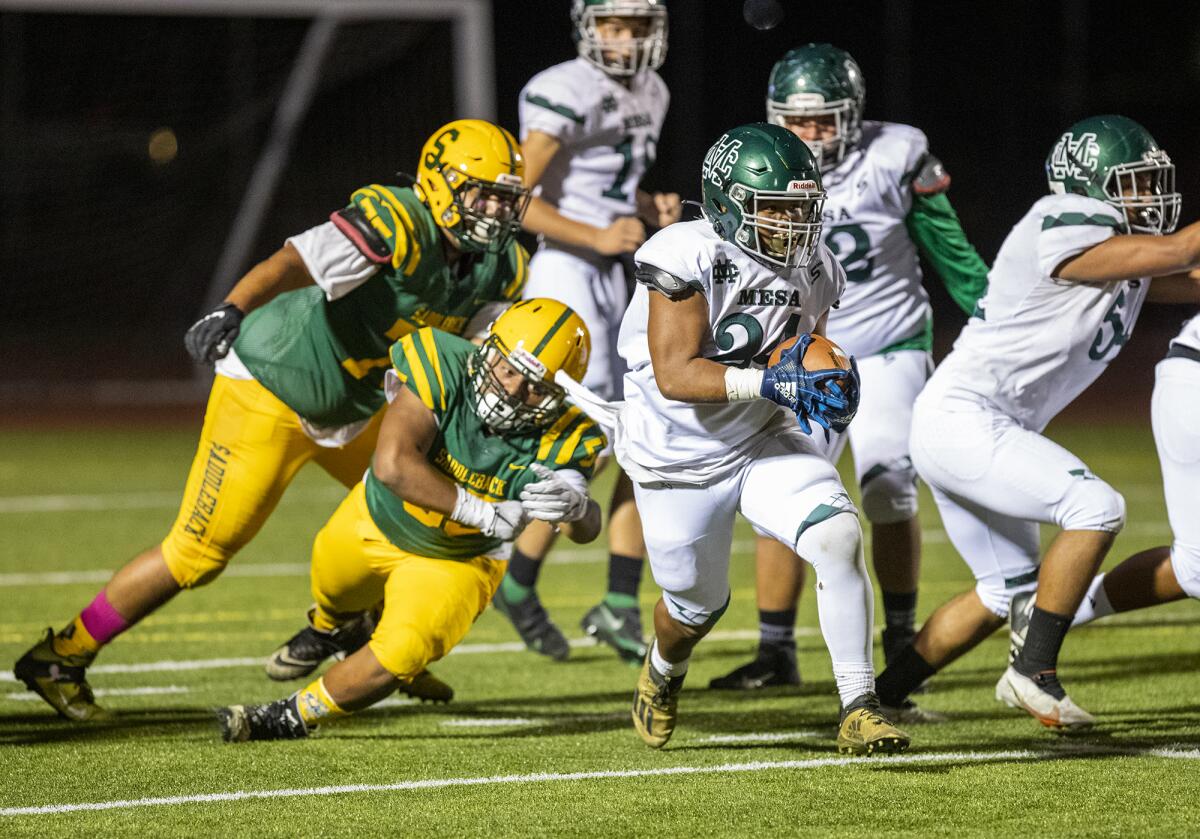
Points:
(500, 519)
(553, 498)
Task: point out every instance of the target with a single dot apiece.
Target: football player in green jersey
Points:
(476, 442)
(301, 346)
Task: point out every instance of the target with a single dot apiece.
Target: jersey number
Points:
(1119, 333)
(851, 245)
(751, 349)
(625, 149)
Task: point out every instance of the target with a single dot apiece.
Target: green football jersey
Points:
(326, 359)
(433, 365)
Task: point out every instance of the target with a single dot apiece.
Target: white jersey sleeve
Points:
(550, 103)
(1073, 225)
(1189, 336)
(334, 262)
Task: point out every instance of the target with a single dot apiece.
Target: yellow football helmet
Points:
(513, 372)
(471, 178)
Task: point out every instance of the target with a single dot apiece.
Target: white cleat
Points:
(1019, 691)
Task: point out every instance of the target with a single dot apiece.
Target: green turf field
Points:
(534, 747)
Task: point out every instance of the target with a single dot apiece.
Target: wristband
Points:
(742, 385)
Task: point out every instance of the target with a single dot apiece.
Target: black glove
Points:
(210, 338)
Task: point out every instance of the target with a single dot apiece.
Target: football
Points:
(822, 354)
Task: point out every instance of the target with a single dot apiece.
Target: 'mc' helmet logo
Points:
(1075, 157)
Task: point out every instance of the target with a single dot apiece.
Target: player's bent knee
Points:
(693, 618)
(1185, 562)
(1091, 504)
(889, 496)
(403, 651)
(996, 597)
(193, 566)
(830, 534)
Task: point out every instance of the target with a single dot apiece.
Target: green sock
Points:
(620, 600)
(514, 592)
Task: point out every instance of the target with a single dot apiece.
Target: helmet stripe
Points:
(512, 155)
(566, 314)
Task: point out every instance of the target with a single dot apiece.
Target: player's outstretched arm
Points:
(541, 218)
(935, 229)
(561, 498)
(401, 463)
(1136, 255)
(210, 338)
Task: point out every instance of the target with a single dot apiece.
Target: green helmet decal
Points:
(762, 192)
(1114, 159)
(819, 80)
(645, 49)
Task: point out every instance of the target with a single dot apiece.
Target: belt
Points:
(1182, 351)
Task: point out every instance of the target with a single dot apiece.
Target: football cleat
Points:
(427, 687)
(910, 713)
(304, 651)
(1019, 691)
(773, 666)
(620, 628)
(278, 720)
(654, 706)
(533, 624)
(866, 731)
(1020, 610)
(60, 680)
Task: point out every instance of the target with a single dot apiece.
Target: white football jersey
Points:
(1189, 336)
(751, 308)
(1041, 341)
(869, 197)
(609, 134)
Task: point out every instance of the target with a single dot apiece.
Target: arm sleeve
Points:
(335, 263)
(934, 227)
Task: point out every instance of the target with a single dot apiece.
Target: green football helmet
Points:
(762, 192)
(627, 56)
(819, 80)
(1115, 160)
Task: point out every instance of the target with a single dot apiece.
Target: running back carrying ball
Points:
(840, 402)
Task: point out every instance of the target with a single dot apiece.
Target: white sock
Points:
(1095, 603)
(670, 669)
(853, 680)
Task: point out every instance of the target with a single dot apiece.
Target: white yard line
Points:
(760, 737)
(30, 696)
(487, 722)
(603, 774)
(170, 666)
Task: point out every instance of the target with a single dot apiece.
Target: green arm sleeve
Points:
(933, 225)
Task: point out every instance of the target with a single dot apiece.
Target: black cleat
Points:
(620, 628)
(533, 624)
(304, 651)
(279, 720)
(773, 666)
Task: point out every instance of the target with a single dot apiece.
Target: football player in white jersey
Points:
(1171, 572)
(886, 196)
(1062, 299)
(589, 127)
(708, 430)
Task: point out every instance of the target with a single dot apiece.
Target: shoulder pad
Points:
(930, 176)
(353, 224)
(674, 288)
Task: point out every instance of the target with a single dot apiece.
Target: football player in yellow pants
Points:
(301, 346)
(476, 441)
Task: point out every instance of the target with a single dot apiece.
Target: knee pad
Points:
(834, 537)
(889, 492)
(1185, 562)
(193, 565)
(1091, 504)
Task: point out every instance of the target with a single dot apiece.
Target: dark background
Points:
(105, 256)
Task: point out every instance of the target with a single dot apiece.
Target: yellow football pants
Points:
(250, 448)
(428, 604)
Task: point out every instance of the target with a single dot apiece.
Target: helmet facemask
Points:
(511, 394)
(789, 241)
(485, 215)
(847, 115)
(1144, 192)
(632, 55)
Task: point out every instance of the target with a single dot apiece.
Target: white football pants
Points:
(1175, 416)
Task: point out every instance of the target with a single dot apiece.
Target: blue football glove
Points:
(849, 389)
(787, 383)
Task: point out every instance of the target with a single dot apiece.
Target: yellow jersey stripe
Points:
(360, 367)
(402, 327)
(417, 369)
(567, 450)
(513, 290)
(551, 436)
(431, 351)
(412, 250)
